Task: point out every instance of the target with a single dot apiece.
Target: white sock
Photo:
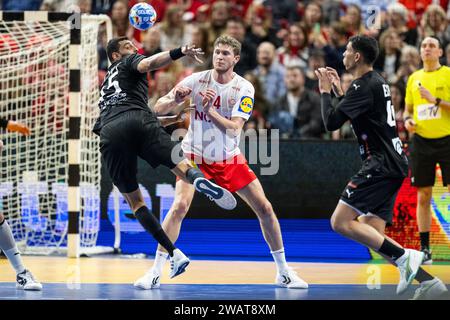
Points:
(160, 260)
(280, 260)
(8, 246)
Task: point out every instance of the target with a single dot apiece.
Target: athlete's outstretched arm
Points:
(171, 101)
(332, 117)
(162, 59)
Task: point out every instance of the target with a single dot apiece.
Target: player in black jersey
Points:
(25, 279)
(128, 129)
(366, 204)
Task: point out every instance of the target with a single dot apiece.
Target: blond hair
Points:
(229, 41)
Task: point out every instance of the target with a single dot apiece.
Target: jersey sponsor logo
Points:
(246, 105)
(428, 112)
(236, 88)
(398, 146)
(203, 81)
(349, 192)
(356, 86)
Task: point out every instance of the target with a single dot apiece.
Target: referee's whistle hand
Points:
(425, 94)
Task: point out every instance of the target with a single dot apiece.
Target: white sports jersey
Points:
(233, 99)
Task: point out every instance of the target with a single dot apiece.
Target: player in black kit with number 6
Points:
(128, 129)
(366, 205)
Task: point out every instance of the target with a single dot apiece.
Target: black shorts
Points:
(370, 192)
(133, 134)
(425, 154)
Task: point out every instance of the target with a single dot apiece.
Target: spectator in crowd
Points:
(261, 106)
(398, 100)
(173, 29)
(270, 73)
(260, 27)
(388, 61)
(346, 131)
(434, 23)
(283, 11)
(316, 61)
(295, 49)
(312, 21)
(151, 45)
(119, 18)
(409, 62)
(297, 114)
(235, 27)
(164, 82)
(353, 20)
(200, 38)
(218, 20)
(397, 18)
(338, 43)
(447, 55)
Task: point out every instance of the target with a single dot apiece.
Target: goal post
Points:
(50, 181)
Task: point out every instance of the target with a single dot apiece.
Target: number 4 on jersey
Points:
(217, 102)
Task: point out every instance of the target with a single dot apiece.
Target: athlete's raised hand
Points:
(182, 93)
(324, 80)
(335, 81)
(193, 52)
(14, 126)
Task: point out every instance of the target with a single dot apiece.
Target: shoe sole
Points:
(427, 262)
(222, 197)
(181, 269)
(29, 289)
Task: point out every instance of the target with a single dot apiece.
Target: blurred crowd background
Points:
(283, 42)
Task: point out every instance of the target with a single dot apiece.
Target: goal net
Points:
(34, 170)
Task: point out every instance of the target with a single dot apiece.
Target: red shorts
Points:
(232, 174)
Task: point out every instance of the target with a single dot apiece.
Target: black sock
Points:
(425, 240)
(152, 225)
(422, 276)
(391, 250)
(194, 173)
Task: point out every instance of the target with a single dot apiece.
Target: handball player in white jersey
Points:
(223, 103)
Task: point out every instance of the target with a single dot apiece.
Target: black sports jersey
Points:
(124, 89)
(368, 105)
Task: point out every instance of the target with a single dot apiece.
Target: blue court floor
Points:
(62, 291)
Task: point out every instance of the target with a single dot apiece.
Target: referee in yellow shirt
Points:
(427, 115)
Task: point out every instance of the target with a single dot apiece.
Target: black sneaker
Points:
(428, 259)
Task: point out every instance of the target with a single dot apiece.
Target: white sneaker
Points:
(430, 290)
(26, 281)
(222, 197)
(178, 263)
(289, 279)
(408, 265)
(150, 280)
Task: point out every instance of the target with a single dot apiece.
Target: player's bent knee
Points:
(265, 210)
(180, 209)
